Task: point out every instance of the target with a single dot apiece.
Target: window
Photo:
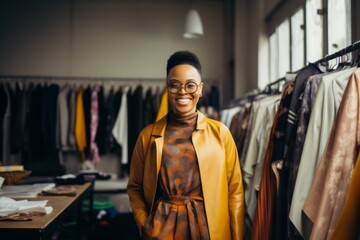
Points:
(279, 51)
(314, 31)
(297, 40)
(339, 17)
(303, 28)
(274, 73)
(284, 47)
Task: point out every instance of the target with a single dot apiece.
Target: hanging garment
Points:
(71, 103)
(327, 101)
(261, 227)
(87, 117)
(101, 132)
(348, 224)
(149, 107)
(111, 103)
(120, 129)
(239, 124)
(80, 131)
(7, 157)
(328, 191)
(35, 154)
(228, 114)
(307, 99)
(264, 111)
(281, 213)
(18, 121)
(157, 99)
(4, 103)
(246, 124)
(63, 119)
(135, 120)
(214, 97)
(263, 218)
(94, 151)
(51, 164)
(247, 135)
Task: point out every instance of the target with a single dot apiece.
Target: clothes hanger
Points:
(274, 87)
(345, 60)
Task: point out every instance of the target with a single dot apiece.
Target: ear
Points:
(201, 86)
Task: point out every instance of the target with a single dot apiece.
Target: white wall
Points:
(105, 38)
(247, 27)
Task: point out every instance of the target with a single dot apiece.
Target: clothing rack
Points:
(78, 78)
(107, 81)
(82, 78)
(355, 46)
(111, 80)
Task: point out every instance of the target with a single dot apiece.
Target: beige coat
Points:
(219, 170)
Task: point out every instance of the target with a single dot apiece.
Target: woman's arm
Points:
(135, 185)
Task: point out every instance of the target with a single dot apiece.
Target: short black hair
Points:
(183, 57)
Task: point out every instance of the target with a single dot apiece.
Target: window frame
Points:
(286, 9)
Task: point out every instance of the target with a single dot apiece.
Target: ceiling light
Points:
(193, 25)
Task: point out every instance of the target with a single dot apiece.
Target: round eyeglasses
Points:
(175, 87)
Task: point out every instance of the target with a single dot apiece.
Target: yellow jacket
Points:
(219, 170)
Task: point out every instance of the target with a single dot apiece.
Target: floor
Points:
(121, 227)
(107, 224)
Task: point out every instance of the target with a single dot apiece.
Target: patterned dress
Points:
(179, 212)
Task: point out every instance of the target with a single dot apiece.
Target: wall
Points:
(248, 25)
(252, 26)
(106, 38)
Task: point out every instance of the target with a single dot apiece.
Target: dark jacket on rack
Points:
(135, 118)
(87, 113)
(18, 119)
(102, 122)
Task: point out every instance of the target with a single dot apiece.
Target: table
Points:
(43, 227)
(111, 186)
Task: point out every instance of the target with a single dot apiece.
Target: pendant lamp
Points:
(193, 25)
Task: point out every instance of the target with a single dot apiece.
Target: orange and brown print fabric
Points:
(179, 212)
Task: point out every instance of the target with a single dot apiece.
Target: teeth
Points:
(183, 101)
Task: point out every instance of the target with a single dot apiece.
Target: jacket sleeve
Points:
(235, 187)
(135, 184)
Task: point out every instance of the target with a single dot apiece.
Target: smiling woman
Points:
(185, 180)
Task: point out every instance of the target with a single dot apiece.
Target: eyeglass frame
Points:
(182, 86)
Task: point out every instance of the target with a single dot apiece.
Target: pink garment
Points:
(94, 151)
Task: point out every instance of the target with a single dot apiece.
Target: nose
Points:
(182, 89)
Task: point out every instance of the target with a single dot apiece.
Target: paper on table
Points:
(25, 191)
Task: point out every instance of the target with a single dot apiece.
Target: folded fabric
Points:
(61, 191)
(11, 209)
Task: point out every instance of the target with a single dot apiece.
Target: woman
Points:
(185, 180)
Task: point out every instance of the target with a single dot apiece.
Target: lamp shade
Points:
(193, 25)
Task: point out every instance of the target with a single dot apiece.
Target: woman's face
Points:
(187, 77)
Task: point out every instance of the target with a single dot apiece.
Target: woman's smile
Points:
(183, 101)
